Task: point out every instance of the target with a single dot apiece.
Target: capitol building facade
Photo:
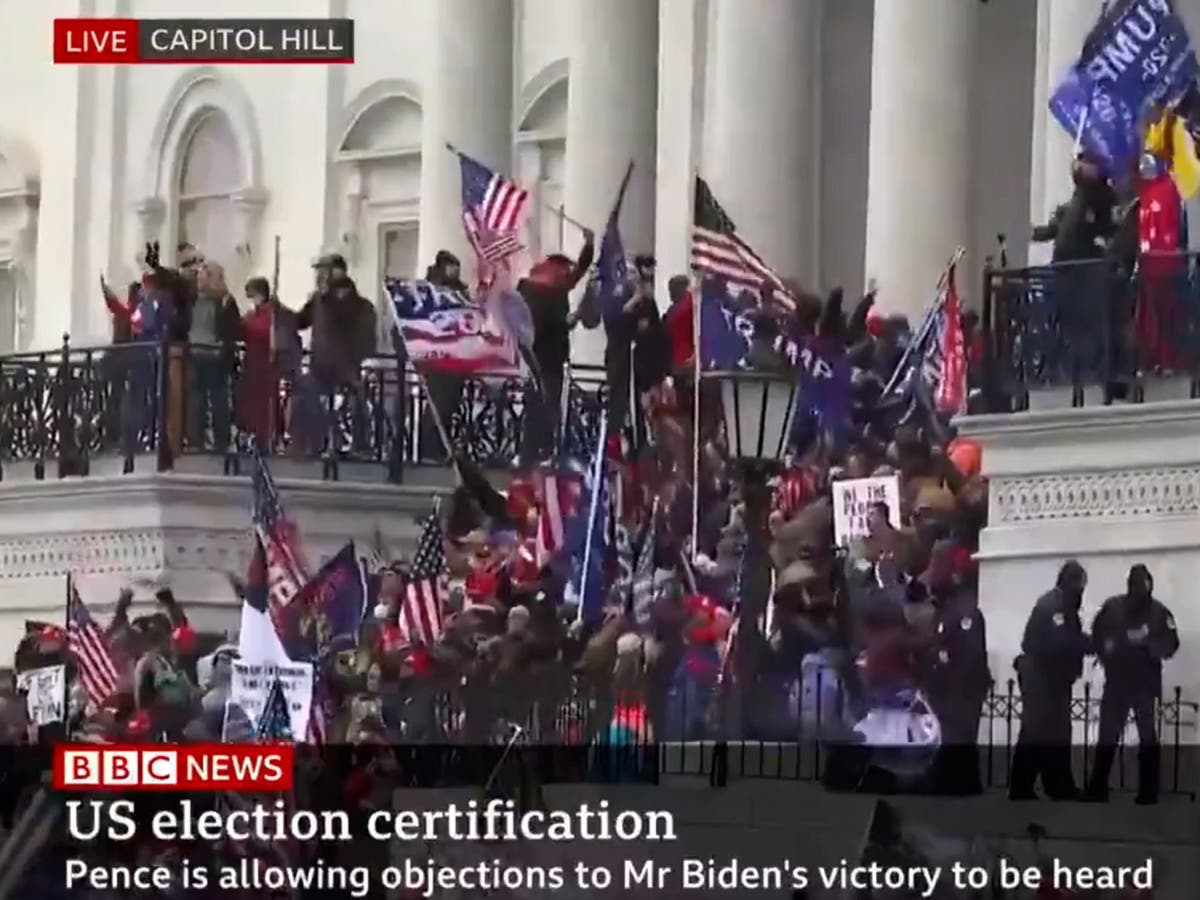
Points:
(848, 140)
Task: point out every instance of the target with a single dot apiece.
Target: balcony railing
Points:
(62, 410)
(1091, 324)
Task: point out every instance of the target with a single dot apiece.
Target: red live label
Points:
(95, 40)
(195, 767)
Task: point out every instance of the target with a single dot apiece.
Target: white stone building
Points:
(849, 139)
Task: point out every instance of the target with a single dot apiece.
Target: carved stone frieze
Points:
(1128, 494)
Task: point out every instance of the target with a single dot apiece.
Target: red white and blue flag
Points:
(421, 613)
(945, 360)
(99, 670)
(493, 211)
(286, 567)
(444, 331)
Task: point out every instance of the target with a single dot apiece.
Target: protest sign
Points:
(1137, 55)
(45, 693)
(252, 681)
(852, 500)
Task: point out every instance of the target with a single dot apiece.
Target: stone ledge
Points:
(185, 530)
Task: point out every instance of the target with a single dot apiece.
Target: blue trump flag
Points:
(826, 390)
(724, 335)
(612, 270)
(822, 371)
(1137, 55)
(323, 618)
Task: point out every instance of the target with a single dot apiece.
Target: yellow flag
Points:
(1184, 164)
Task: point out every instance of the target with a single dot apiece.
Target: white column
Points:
(920, 160)
(682, 49)
(1061, 29)
(65, 210)
(468, 103)
(611, 113)
(761, 126)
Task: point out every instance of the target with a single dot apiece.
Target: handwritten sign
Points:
(853, 499)
(45, 692)
(252, 681)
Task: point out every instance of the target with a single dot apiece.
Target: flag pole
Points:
(592, 508)
(558, 211)
(927, 322)
(695, 424)
(67, 656)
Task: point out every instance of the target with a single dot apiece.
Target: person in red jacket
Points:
(680, 325)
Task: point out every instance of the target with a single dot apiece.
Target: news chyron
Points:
(198, 767)
(209, 41)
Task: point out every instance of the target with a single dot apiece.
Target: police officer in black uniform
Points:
(959, 685)
(1134, 634)
(1052, 652)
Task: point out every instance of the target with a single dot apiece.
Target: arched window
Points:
(209, 174)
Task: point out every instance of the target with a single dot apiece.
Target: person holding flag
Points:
(546, 291)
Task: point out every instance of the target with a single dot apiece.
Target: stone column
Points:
(682, 49)
(611, 116)
(1061, 28)
(468, 103)
(761, 126)
(920, 159)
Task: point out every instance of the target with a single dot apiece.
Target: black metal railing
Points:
(62, 410)
(1090, 324)
(685, 744)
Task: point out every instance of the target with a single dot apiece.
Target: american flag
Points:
(493, 210)
(98, 668)
(718, 250)
(287, 571)
(421, 612)
(560, 498)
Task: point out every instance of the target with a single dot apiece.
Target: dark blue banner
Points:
(1138, 54)
(323, 618)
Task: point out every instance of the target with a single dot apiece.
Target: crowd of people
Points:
(854, 637)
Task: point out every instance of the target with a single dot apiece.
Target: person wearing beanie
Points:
(959, 677)
(446, 272)
(1134, 634)
(1052, 653)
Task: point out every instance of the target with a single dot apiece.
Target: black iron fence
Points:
(1090, 324)
(682, 741)
(62, 410)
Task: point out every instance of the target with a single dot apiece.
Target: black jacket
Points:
(1135, 666)
(1054, 643)
(549, 306)
(1079, 227)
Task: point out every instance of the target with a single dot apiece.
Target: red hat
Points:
(523, 568)
(522, 497)
(51, 633)
(184, 638)
(391, 638)
(482, 584)
(875, 322)
(419, 661)
(139, 723)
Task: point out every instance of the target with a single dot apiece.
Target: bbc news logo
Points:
(198, 767)
(192, 41)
